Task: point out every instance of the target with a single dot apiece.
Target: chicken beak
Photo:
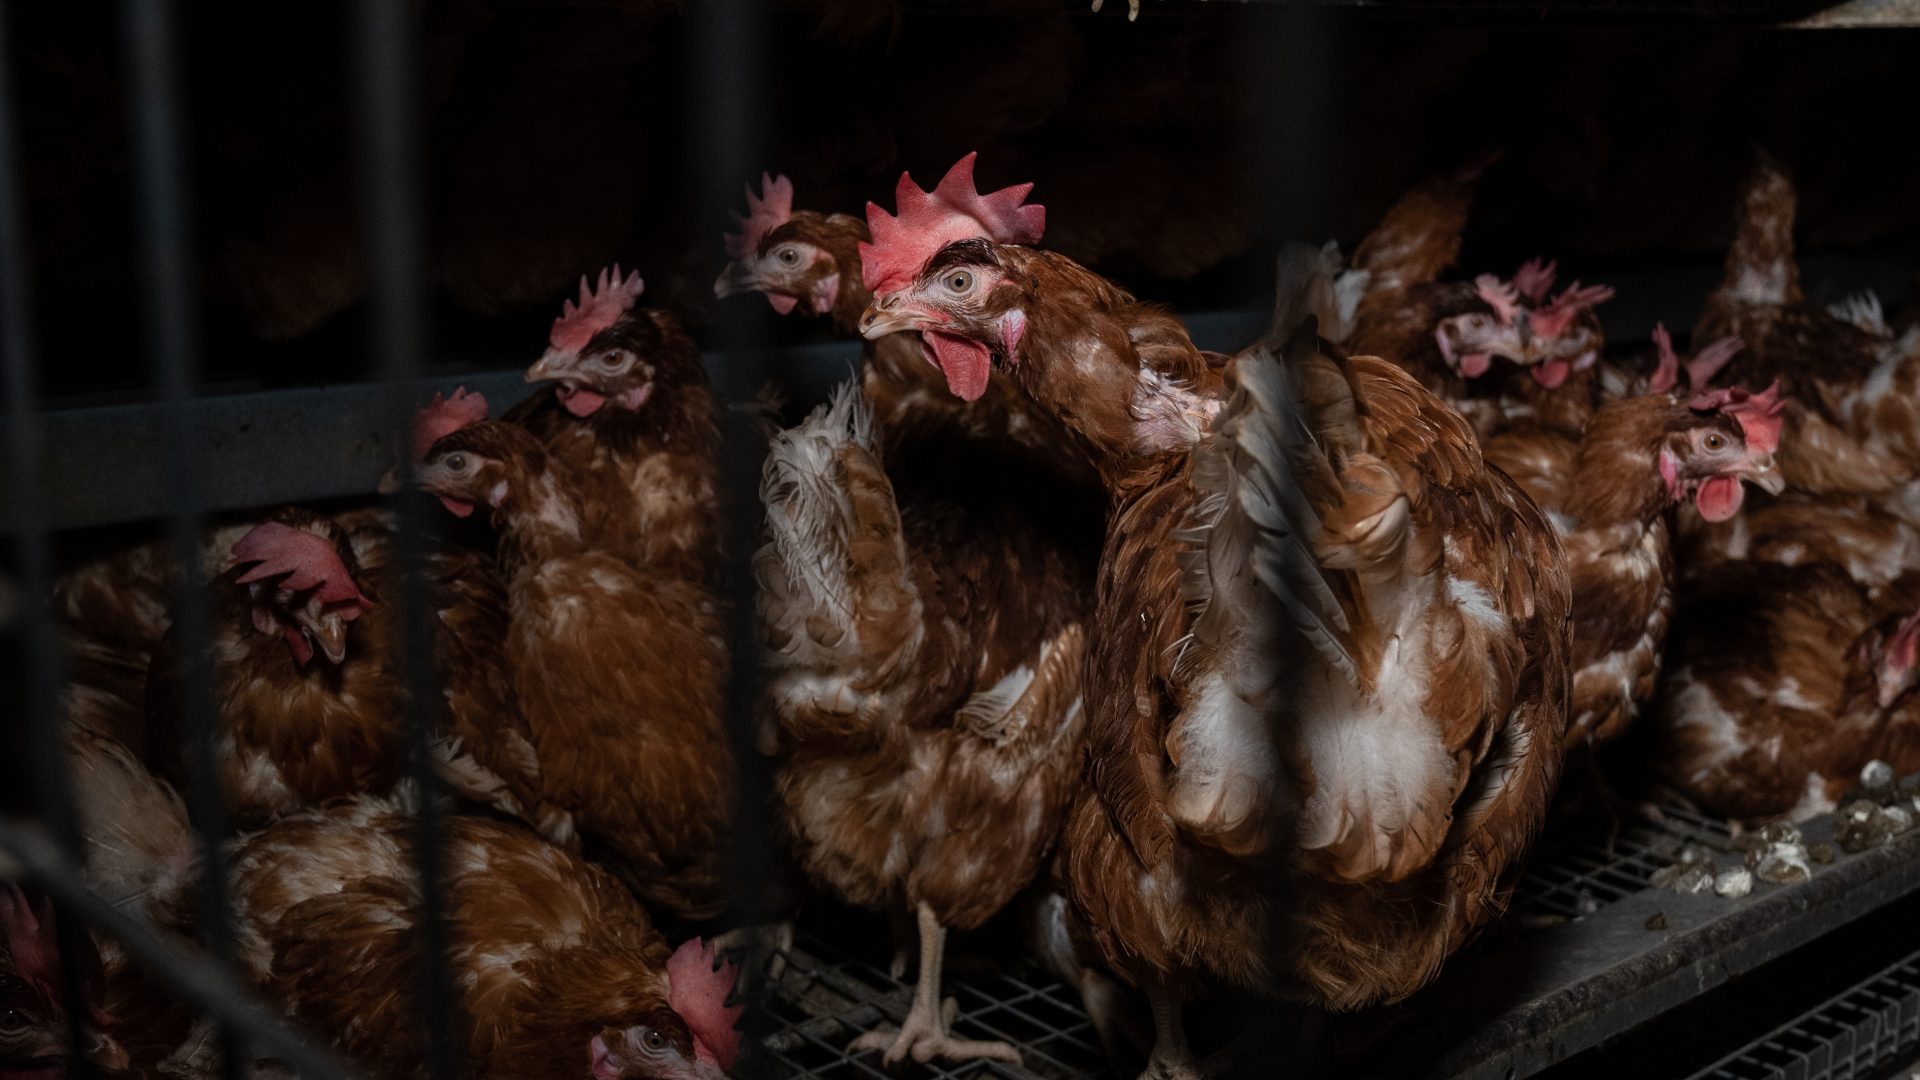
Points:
(735, 279)
(887, 315)
(331, 635)
(550, 367)
(1761, 473)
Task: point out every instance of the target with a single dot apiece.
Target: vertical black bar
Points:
(1285, 146)
(43, 667)
(164, 224)
(727, 135)
(386, 77)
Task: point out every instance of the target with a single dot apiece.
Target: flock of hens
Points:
(1250, 673)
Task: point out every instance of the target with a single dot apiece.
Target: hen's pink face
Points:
(1470, 342)
(1555, 358)
(965, 318)
(1710, 462)
(462, 479)
(792, 273)
(657, 1048)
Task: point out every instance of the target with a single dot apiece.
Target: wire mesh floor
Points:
(1575, 874)
(828, 995)
(1857, 1035)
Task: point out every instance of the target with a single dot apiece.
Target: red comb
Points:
(307, 561)
(1710, 359)
(699, 993)
(1552, 321)
(597, 309)
(1668, 373)
(443, 416)
(1535, 278)
(927, 221)
(1499, 295)
(771, 210)
(1758, 414)
(28, 932)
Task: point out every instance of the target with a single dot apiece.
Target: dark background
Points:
(1173, 153)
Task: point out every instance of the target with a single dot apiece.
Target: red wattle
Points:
(1552, 373)
(782, 304)
(966, 363)
(580, 401)
(1474, 365)
(1719, 498)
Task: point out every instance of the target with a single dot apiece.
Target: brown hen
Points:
(1325, 803)
(924, 618)
(618, 672)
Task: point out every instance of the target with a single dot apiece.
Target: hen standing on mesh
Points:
(1330, 803)
(924, 614)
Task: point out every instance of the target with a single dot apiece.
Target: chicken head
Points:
(601, 351)
(300, 585)
(779, 254)
(1728, 438)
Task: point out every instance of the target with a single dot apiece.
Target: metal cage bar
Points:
(44, 673)
(387, 100)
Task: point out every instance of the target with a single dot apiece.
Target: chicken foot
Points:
(924, 1035)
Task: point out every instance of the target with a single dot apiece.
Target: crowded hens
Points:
(1229, 674)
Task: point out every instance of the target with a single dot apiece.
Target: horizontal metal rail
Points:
(1547, 996)
(204, 984)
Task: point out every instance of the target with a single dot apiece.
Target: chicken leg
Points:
(1172, 1059)
(924, 1035)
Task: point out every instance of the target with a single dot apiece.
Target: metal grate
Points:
(827, 997)
(830, 994)
(1575, 873)
(1853, 1036)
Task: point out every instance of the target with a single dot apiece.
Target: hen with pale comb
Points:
(598, 308)
(772, 209)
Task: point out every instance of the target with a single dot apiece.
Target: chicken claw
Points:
(924, 1035)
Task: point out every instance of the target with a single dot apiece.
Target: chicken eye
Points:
(455, 462)
(1714, 441)
(788, 256)
(959, 281)
(12, 1020)
(652, 1039)
(615, 360)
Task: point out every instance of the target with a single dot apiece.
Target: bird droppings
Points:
(1689, 879)
(1585, 904)
(1821, 853)
(1734, 884)
(1780, 864)
(1780, 832)
(1657, 921)
(1877, 776)
(1863, 824)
